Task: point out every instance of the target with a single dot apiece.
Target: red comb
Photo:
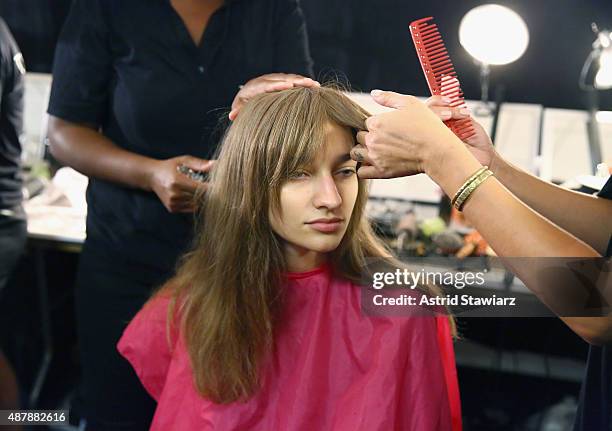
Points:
(439, 71)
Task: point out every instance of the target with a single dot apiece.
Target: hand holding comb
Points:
(439, 71)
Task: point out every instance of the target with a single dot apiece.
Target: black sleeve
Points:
(12, 67)
(292, 54)
(82, 67)
(12, 70)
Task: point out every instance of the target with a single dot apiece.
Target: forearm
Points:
(91, 153)
(584, 216)
(510, 227)
(513, 229)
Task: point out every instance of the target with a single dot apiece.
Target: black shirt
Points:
(11, 119)
(595, 406)
(131, 67)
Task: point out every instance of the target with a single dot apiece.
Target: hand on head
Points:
(268, 84)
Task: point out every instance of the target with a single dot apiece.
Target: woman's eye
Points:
(298, 175)
(347, 172)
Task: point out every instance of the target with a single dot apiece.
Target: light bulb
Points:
(493, 34)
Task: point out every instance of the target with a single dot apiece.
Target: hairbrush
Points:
(194, 175)
(439, 71)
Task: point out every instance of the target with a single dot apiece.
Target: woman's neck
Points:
(300, 260)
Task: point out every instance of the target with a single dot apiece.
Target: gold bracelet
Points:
(465, 195)
(467, 183)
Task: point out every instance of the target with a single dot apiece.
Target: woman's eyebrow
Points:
(342, 158)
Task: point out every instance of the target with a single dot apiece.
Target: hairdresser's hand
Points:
(409, 140)
(479, 144)
(268, 84)
(175, 189)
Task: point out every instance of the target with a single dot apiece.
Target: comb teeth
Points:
(439, 71)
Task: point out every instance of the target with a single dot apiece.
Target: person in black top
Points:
(519, 215)
(138, 90)
(13, 228)
(595, 402)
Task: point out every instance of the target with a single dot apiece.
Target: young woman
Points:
(262, 327)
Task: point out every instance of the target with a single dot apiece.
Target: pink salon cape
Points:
(332, 368)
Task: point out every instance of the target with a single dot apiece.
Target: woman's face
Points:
(317, 201)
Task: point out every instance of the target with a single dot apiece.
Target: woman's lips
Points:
(326, 226)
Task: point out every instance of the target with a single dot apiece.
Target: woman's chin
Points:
(324, 245)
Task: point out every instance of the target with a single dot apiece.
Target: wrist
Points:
(497, 163)
(442, 154)
(453, 168)
(147, 174)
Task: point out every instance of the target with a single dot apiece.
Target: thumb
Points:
(195, 163)
(391, 99)
(209, 165)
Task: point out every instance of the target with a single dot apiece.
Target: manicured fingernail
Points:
(465, 111)
(447, 100)
(446, 114)
(376, 92)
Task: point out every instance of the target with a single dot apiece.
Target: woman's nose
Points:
(326, 193)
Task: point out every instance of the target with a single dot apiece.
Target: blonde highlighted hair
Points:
(227, 289)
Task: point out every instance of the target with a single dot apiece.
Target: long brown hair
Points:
(227, 289)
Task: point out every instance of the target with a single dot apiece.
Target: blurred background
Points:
(369, 42)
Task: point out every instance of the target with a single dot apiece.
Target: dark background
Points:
(368, 42)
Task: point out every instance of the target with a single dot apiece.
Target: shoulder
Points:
(156, 308)
(150, 327)
(150, 322)
(148, 343)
